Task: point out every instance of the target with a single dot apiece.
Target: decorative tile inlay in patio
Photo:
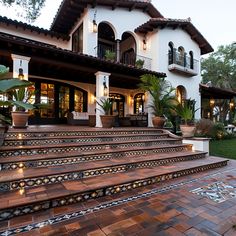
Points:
(218, 191)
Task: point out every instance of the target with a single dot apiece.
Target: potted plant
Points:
(19, 93)
(186, 112)
(109, 55)
(107, 120)
(162, 98)
(139, 63)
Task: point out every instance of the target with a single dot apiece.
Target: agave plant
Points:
(186, 111)
(105, 104)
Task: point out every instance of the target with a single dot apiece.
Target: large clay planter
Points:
(187, 131)
(158, 121)
(108, 121)
(20, 119)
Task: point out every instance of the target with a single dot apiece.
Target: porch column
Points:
(20, 66)
(148, 109)
(118, 50)
(102, 91)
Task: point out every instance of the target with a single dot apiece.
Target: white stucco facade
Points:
(123, 20)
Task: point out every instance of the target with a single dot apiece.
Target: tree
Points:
(220, 67)
(30, 9)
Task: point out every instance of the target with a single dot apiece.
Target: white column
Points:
(102, 78)
(149, 110)
(20, 65)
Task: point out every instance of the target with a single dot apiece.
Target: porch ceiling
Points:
(70, 11)
(50, 61)
(210, 92)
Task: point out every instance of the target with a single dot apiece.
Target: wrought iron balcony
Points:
(125, 58)
(182, 64)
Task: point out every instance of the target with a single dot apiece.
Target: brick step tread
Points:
(24, 158)
(84, 136)
(6, 148)
(14, 175)
(45, 193)
(76, 129)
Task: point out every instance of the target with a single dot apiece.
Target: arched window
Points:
(128, 49)
(106, 41)
(171, 53)
(180, 57)
(139, 103)
(181, 93)
(191, 60)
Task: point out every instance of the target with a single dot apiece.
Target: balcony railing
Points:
(127, 59)
(183, 64)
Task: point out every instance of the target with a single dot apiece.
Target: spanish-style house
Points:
(98, 48)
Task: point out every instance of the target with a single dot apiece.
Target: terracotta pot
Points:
(108, 121)
(187, 131)
(158, 121)
(20, 119)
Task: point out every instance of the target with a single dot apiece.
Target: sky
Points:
(215, 19)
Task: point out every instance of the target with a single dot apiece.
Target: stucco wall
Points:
(159, 42)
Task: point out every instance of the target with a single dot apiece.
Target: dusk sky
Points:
(215, 19)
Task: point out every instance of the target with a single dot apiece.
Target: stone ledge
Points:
(199, 143)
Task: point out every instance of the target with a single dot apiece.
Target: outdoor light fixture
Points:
(231, 105)
(212, 102)
(144, 42)
(105, 89)
(21, 72)
(143, 97)
(95, 26)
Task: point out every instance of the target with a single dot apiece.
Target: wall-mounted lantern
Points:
(105, 88)
(21, 72)
(95, 26)
(144, 42)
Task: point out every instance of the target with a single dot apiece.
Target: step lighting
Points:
(21, 191)
(19, 136)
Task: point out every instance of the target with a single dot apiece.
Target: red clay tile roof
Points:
(19, 24)
(71, 10)
(186, 25)
(29, 46)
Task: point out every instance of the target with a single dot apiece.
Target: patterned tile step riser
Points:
(83, 148)
(12, 143)
(84, 158)
(107, 191)
(45, 180)
(80, 133)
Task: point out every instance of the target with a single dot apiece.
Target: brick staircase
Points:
(53, 167)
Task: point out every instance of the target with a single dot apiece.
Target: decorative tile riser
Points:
(40, 181)
(77, 198)
(94, 157)
(80, 133)
(12, 143)
(87, 148)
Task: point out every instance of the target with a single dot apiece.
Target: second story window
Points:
(77, 40)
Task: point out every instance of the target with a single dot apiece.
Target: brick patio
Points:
(197, 204)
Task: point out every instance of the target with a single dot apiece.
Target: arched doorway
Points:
(181, 94)
(118, 104)
(128, 49)
(139, 103)
(106, 39)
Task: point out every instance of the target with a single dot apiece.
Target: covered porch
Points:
(217, 104)
(70, 81)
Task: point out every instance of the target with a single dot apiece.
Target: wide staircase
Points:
(49, 168)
